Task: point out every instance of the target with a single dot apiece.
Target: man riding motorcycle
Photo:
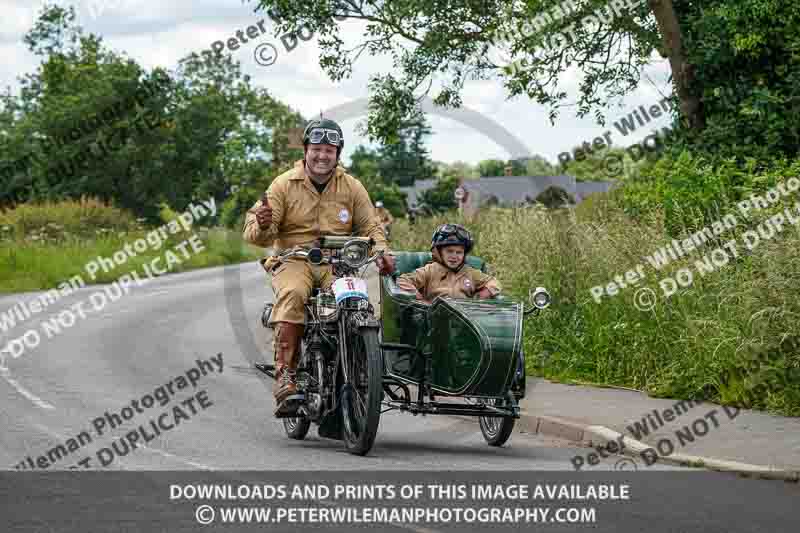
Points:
(385, 218)
(314, 198)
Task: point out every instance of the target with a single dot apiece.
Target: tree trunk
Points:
(682, 70)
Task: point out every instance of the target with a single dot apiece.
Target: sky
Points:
(160, 32)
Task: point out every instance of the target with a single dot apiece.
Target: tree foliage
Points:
(203, 133)
(729, 61)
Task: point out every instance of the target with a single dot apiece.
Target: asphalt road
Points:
(146, 338)
(156, 334)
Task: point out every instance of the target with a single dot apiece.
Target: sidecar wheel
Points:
(361, 400)
(296, 428)
(496, 430)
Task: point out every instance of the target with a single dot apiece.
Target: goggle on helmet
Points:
(450, 234)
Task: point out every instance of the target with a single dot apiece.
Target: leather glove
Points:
(264, 213)
(385, 265)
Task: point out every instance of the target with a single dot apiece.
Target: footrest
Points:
(266, 368)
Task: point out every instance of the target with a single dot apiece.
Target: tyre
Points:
(361, 397)
(496, 430)
(296, 428)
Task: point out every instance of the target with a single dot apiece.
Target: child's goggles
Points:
(453, 229)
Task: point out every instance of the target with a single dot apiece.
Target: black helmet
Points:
(449, 234)
(327, 132)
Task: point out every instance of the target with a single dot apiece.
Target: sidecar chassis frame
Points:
(405, 403)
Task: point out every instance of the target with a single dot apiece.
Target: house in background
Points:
(509, 190)
(414, 193)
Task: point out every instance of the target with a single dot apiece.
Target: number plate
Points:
(350, 288)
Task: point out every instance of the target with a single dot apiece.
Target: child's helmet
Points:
(450, 234)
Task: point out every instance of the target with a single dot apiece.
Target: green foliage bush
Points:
(441, 197)
(695, 190)
(730, 337)
(56, 221)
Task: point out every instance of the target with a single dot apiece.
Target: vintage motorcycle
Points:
(351, 364)
(340, 371)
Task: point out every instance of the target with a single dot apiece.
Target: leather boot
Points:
(287, 351)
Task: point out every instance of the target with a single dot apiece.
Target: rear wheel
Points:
(496, 429)
(361, 397)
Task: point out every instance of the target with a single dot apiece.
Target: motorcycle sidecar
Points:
(464, 349)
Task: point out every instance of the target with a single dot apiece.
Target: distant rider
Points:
(385, 217)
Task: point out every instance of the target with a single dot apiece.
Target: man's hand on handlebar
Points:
(264, 213)
(385, 265)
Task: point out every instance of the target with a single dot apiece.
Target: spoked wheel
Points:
(361, 397)
(296, 427)
(496, 429)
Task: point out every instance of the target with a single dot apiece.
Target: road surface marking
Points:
(22, 390)
(50, 432)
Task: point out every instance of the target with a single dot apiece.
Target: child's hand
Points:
(484, 294)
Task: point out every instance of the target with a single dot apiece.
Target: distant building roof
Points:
(415, 193)
(513, 189)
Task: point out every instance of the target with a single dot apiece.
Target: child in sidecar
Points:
(448, 275)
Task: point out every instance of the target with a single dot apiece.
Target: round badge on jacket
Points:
(344, 216)
(467, 283)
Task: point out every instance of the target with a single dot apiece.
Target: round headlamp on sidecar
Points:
(539, 299)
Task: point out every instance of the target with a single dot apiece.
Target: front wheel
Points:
(361, 397)
(296, 427)
(496, 430)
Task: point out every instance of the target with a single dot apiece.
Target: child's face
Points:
(452, 255)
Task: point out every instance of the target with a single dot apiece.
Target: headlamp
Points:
(355, 254)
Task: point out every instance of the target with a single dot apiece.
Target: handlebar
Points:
(316, 257)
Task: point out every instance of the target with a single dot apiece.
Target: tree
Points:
(365, 166)
(539, 166)
(737, 49)
(554, 197)
(108, 128)
(458, 169)
(491, 167)
(441, 196)
(404, 157)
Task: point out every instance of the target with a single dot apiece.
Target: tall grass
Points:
(43, 245)
(732, 336)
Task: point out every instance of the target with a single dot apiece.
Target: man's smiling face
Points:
(321, 158)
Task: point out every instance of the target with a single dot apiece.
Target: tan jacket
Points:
(300, 214)
(384, 215)
(434, 280)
